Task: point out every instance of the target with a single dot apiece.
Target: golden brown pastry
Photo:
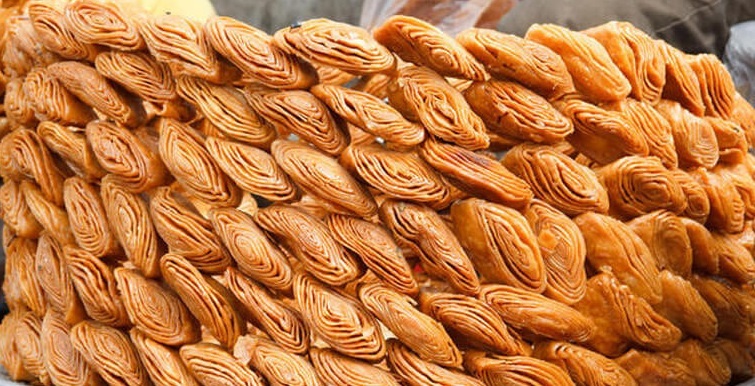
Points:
(332, 75)
(731, 138)
(622, 318)
(156, 312)
(739, 177)
(301, 113)
(743, 114)
(716, 86)
(211, 303)
(511, 57)
(727, 209)
(694, 138)
(19, 105)
(323, 177)
(656, 369)
(336, 369)
(52, 102)
(557, 179)
(738, 357)
(704, 254)
(563, 249)
(370, 114)
(163, 364)
(319, 252)
(15, 212)
(613, 247)
(637, 56)
(52, 218)
(226, 109)
(735, 261)
(640, 185)
(708, 366)
(104, 23)
(511, 110)
(422, 231)
(520, 370)
(653, 126)
(602, 135)
(584, 366)
(375, 246)
(55, 280)
(10, 358)
(185, 157)
(87, 84)
(423, 44)
(417, 372)
(25, 155)
(96, 286)
(70, 144)
(537, 315)
(52, 30)
(181, 44)
(666, 237)
(29, 346)
(373, 84)
(330, 43)
(340, 321)
(500, 243)
(594, 73)
(130, 220)
(399, 175)
(728, 304)
(686, 308)
(278, 366)
(682, 84)
(422, 95)
(110, 352)
(252, 51)
(472, 323)
(64, 363)
(210, 364)
(88, 220)
(23, 280)
(280, 321)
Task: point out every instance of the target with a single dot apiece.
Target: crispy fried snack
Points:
(52, 102)
(52, 30)
(10, 358)
(92, 88)
(25, 155)
(211, 303)
(735, 261)
(156, 312)
(612, 246)
(743, 114)
(340, 321)
(29, 346)
(301, 113)
(280, 321)
(704, 255)
(511, 57)
(106, 23)
(319, 252)
(110, 352)
(374, 84)
(333, 76)
(694, 138)
(15, 212)
(716, 86)
(52, 218)
(423, 44)
(423, 95)
(666, 237)
(163, 364)
(584, 366)
(252, 51)
(653, 126)
(19, 105)
(336, 369)
(731, 138)
(63, 362)
(686, 308)
(423, 232)
(595, 75)
(656, 369)
(622, 318)
(709, 367)
(738, 357)
(23, 286)
(727, 209)
(682, 84)
(494, 369)
(210, 364)
(88, 220)
(417, 372)
(640, 185)
(276, 364)
(70, 144)
(55, 280)
(728, 304)
(329, 43)
(563, 249)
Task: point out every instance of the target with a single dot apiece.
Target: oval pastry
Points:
(52, 30)
(666, 237)
(683, 306)
(70, 144)
(210, 364)
(727, 208)
(23, 285)
(653, 127)
(25, 155)
(698, 205)
(63, 362)
(682, 84)
(336, 369)
(417, 372)
(516, 369)
(716, 86)
(29, 346)
(55, 280)
(335, 44)
(52, 102)
(163, 365)
(138, 73)
(88, 220)
(694, 138)
(15, 213)
(277, 365)
(104, 23)
(584, 366)
(52, 218)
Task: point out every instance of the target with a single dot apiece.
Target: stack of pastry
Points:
(203, 203)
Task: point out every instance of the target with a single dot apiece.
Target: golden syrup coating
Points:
(682, 84)
(729, 304)
(65, 364)
(329, 43)
(423, 44)
(104, 23)
(584, 366)
(110, 352)
(282, 322)
(211, 304)
(493, 369)
(511, 57)
(210, 364)
(417, 372)
(277, 365)
(698, 205)
(563, 249)
(653, 126)
(514, 111)
(15, 212)
(52, 102)
(92, 88)
(694, 138)
(735, 261)
(340, 321)
(70, 144)
(708, 366)
(595, 75)
(686, 308)
(336, 369)
(253, 52)
(55, 280)
(727, 208)
(423, 232)
(49, 22)
(739, 359)
(613, 246)
(88, 219)
(163, 364)
(716, 85)
(666, 237)
(656, 369)
(420, 94)
(25, 155)
(156, 312)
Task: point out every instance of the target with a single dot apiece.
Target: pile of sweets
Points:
(195, 203)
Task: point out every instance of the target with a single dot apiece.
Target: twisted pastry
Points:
(65, 364)
(584, 366)
(15, 213)
(156, 312)
(50, 25)
(88, 220)
(55, 280)
(417, 372)
(70, 144)
(516, 369)
(210, 364)
(163, 365)
(278, 366)
(52, 102)
(336, 369)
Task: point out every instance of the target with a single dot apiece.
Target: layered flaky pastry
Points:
(279, 366)
(88, 219)
(22, 286)
(51, 217)
(336, 369)
(49, 22)
(716, 85)
(417, 372)
(494, 369)
(55, 280)
(653, 127)
(15, 212)
(104, 23)
(25, 155)
(210, 364)
(709, 367)
(64, 363)
(695, 140)
(682, 84)
(29, 345)
(162, 364)
(727, 208)
(656, 369)
(686, 308)
(70, 144)
(584, 366)
(666, 237)
(52, 102)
